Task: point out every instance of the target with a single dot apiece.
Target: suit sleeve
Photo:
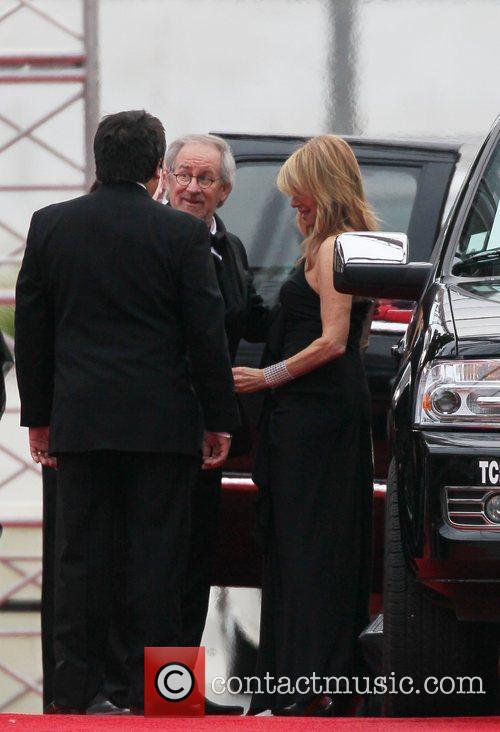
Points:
(203, 315)
(34, 337)
(6, 362)
(258, 315)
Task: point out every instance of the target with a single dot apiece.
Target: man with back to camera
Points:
(113, 292)
(198, 177)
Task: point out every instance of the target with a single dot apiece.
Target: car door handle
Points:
(397, 350)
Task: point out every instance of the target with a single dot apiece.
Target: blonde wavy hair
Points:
(326, 169)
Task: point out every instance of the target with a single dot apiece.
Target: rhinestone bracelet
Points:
(277, 374)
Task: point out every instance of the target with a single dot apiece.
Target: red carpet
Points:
(34, 723)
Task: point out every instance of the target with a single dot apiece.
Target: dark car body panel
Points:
(456, 318)
(476, 312)
(463, 566)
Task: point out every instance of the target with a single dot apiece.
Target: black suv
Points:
(442, 541)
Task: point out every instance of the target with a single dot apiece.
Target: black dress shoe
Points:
(54, 708)
(320, 706)
(101, 705)
(229, 709)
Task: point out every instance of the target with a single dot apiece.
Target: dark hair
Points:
(128, 146)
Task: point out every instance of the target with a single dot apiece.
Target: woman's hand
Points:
(247, 380)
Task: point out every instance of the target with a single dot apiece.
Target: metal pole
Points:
(342, 67)
(90, 24)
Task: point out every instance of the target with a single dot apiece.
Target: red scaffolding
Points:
(78, 67)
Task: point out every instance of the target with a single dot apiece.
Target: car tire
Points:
(424, 639)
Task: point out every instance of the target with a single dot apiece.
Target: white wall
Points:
(200, 65)
(429, 67)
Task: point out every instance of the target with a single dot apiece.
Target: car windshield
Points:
(478, 251)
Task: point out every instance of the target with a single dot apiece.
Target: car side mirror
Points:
(375, 264)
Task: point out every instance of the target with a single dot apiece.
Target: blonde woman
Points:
(314, 463)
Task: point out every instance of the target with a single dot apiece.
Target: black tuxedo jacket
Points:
(114, 291)
(246, 315)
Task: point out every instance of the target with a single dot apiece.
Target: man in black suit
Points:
(114, 294)
(198, 177)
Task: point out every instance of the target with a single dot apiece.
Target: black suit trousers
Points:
(205, 502)
(148, 495)
(116, 681)
(47, 606)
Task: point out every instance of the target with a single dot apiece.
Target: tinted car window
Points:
(478, 250)
(391, 191)
(262, 217)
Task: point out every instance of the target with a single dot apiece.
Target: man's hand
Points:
(247, 380)
(39, 446)
(215, 450)
(162, 189)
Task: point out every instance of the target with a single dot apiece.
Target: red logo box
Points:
(174, 682)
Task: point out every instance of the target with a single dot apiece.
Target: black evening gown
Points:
(314, 472)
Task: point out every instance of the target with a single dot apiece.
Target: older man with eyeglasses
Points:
(198, 177)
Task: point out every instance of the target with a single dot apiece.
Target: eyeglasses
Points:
(184, 179)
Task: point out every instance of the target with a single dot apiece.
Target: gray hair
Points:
(227, 163)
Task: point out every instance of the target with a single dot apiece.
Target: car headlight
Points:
(459, 392)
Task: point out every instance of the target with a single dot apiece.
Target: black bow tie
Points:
(218, 241)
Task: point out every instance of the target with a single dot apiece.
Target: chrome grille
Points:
(463, 507)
